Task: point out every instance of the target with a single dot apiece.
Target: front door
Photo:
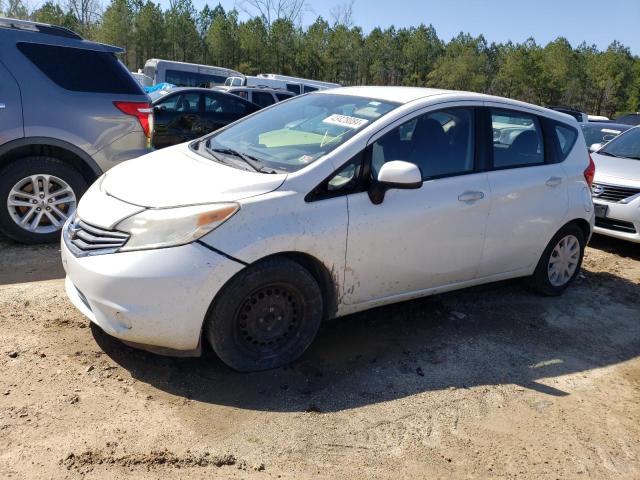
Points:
(177, 119)
(420, 239)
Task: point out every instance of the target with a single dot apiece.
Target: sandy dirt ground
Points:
(491, 382)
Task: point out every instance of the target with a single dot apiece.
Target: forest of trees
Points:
(273, 41)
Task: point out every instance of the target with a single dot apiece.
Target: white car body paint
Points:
(416, 242)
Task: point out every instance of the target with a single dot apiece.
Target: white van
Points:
(293, 84)
(184, 74)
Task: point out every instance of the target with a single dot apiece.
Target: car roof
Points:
(405, 95)
(173, 90)
(259, 88)
(620, 126)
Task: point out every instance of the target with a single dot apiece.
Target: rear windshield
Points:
(293, 134)
(81, 70)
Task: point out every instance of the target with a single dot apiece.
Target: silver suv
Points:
(69, 110)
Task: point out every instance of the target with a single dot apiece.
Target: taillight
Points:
(590, 172)
(143, 111)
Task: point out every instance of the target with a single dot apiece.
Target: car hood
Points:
(176, 176)
(616, 168)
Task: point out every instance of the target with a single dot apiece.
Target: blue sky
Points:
(595, 21)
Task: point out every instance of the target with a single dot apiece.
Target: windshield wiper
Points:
(607, 154)
(253, 162)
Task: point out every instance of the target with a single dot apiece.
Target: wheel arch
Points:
(51, 147)
(582, 225)
(325, 278)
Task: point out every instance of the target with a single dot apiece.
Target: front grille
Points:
(85, 239)
(617, 225)
(613, 193)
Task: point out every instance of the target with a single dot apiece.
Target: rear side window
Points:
(263, 99)
(293, 87)
(517, 139)
(566, 139)
(308, 89)
(283, 96)
(227, 104)
(81, 70)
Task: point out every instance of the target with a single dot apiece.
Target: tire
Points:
(551, 280)
(266, 316)
(62, 186)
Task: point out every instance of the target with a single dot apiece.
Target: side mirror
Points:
(395, 174)
(595, 147)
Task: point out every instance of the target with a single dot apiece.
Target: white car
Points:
(325, 205)
(616, 187)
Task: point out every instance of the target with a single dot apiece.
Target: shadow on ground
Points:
(495, 334)
(622, 248)
(29, 263)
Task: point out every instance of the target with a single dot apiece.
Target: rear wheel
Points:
(560, 263)
(37, 195)
(266, 316)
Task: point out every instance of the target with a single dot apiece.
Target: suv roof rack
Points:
(37, 27)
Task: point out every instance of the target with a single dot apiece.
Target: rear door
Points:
(529, 191)
(10, 107)
(178, 119)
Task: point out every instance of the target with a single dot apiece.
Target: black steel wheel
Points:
(266, 316)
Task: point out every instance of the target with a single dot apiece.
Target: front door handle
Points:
(553, 182)
(2, 105)
(470, 197)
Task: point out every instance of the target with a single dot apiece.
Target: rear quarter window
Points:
(566, 137)
(81, 70)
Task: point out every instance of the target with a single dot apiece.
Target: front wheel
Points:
(266, 316)
(560, 263)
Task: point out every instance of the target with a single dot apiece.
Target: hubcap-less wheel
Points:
(563, 261)
(268, 320)
(41, 203)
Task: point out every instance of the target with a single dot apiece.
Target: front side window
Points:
(439, 143)
(517, 139)
(181, 102)
(293, 134)
(626, 145)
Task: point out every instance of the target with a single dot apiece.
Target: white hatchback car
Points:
(324, 205)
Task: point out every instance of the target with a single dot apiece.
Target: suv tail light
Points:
(590, 172)
(143, 111)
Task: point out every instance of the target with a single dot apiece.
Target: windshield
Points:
(626, 145)
(599, 134)
(295, 133)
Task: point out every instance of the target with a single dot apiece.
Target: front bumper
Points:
(622, 220)
(157, 298)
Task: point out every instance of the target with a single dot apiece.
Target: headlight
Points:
(169, 227)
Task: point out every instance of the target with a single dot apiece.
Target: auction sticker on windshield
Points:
(345, 121)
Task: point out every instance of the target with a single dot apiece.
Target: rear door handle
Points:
(553, 182)
(470, 197)
(2, 105)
